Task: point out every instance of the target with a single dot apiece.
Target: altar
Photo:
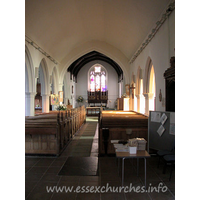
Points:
(93, 111)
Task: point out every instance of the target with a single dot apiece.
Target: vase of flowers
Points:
(80, 99)
(61, 107)
(124, 95)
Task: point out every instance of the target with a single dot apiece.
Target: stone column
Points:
(30, 103)
(45, 103)
(120, 90)
(75, 104)
(146, 96)
(67, 88)
(60, 87)
(73, 93)
(138, 102)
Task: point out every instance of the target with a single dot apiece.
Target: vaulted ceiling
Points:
(59, 26)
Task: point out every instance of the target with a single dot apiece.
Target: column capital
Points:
(30, 94)
(137, 96)
(60, 85)
(148, 95)
(45, 95)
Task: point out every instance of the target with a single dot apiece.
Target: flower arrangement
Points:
(124, 95)
(80, 99)
(61, 107)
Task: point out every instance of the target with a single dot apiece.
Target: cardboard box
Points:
(132, 150)
(141, 144)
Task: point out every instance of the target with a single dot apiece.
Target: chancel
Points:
(99, 98)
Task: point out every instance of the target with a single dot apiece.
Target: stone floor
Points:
(41, 173)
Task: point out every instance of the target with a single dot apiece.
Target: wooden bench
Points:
(93, 111)
(120, 125)
(49, 133)
(43, 136)
(53, 116)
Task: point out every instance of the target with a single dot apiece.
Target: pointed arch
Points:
(29, 72)
(139, 91)
(149, 80)
(67, 88)
(103, 48)
(44, 77)
(29, 84)
(149, 86)
(75, 67)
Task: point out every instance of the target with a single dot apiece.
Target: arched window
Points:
(97, 78)
(152, 87)
(142, 99)
(92, 82)
(139, 92)
(103, 81)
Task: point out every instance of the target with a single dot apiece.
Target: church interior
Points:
(99, 85)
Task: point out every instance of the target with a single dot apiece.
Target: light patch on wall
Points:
(126, 104)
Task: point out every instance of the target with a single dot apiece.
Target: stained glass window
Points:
(103, 82)
(97, 69)
(97, 82)
(97, 79)
(92, 82)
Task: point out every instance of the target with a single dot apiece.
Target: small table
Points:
(140, 154)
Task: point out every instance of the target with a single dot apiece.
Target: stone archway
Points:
(30, 90)
(45, 84)
(149, 87)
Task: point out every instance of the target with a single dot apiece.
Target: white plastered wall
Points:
(159, 50)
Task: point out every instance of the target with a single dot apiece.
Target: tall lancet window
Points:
(97, 82)
(103, 82)
(152, 88)
(92, 82)
(97, 78)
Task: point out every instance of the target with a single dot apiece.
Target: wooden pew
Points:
(53, 115)
(43, 136)
(49, 133)
(65, 133)
(114, 125)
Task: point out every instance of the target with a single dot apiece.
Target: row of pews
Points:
(49, 133)
(120, 125)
